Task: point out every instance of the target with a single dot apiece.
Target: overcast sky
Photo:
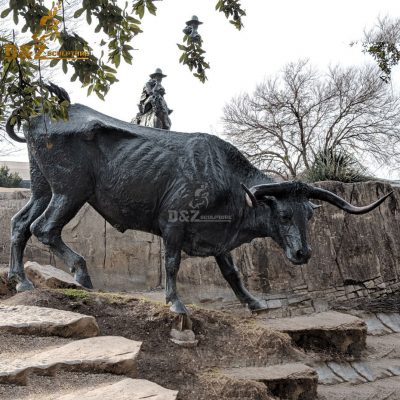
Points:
(274, 34)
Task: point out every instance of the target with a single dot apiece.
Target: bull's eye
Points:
(286, 218)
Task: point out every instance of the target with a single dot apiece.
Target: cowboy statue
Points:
(153, 110)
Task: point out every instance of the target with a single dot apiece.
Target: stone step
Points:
(286, 381)
(324, 331)
(32, 320)
(127, 389)
(356, 372)
(112, 354)
(384, 389)
(48, 276)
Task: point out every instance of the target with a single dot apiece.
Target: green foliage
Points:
(336, 165)
(7, 179)
(387, 55)
(383, 44)
(22, 93)
(139, 7)
(193, 57)
(233, 11)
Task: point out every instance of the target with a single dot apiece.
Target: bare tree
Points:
(301, 112)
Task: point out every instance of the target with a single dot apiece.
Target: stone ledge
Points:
(292, 381)
(127, 389)
(32, 320)
(329, 330)
(113, 354)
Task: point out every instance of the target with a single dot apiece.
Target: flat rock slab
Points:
(32, 320)
(357, 372)
(326, 376)
(287, 381)
(127, 389)
(49, 276)
(391, 320)
(345, 371)
(371, 370)
(113, 354)
(384, 389)
(375, 325)
(329, 330)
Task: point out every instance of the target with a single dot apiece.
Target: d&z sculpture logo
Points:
(37, 51)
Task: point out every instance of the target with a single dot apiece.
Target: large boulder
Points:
(50, 277)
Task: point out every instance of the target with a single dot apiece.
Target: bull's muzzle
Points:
(299, 256)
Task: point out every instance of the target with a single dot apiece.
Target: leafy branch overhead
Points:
(44, 29)
(193, 53)
(383, 44)
(233, 11)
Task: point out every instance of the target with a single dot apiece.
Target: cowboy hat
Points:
(157, 72)
(194, 21)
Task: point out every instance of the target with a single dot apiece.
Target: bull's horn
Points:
(325, 195)
(250, 199)
(273, 189)
(280, 189)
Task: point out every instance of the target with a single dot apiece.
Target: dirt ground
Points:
(224, 341)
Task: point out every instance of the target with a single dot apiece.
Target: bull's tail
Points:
(52, 88)
(12, 134)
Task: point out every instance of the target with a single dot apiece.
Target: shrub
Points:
(8, 179)
(336, 165)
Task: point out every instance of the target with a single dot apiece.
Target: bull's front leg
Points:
(231, 274)
(173, 245)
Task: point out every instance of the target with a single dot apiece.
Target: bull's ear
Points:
(315, 206)
(250, 199)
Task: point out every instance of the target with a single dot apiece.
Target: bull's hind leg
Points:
(231, 274)
(20, 223)
(48, 227)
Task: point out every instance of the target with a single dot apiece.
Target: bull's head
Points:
(290, 209)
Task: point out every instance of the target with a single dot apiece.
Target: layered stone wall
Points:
(353, 256)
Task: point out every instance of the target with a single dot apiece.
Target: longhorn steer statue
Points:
(196, 191)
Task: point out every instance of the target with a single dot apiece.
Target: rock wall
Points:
(353, 256)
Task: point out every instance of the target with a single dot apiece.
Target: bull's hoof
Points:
(25, 285)
(178, 307)
(84, 280)
(258, 305)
